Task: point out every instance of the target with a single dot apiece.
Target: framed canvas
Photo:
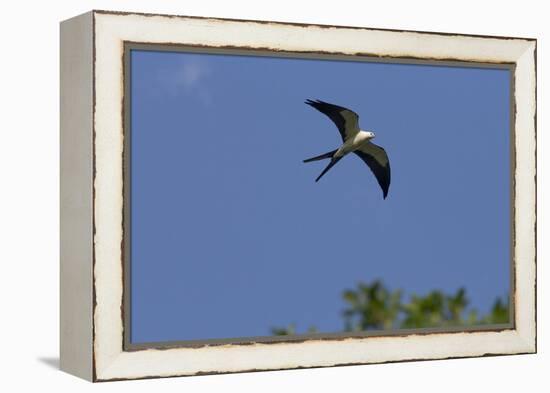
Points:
(243, 195)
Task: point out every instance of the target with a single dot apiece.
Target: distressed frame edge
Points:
(305, 24)
(527, 339)
(526, 196)
(76, 196)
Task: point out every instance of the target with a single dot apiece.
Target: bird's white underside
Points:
(359, 140)
(355, 141)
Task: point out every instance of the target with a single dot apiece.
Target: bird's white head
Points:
(371, 134)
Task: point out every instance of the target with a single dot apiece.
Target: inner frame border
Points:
(128, 46)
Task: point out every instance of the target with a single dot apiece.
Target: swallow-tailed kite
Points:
(355, 141)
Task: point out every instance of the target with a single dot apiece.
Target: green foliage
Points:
(289, 329)
(374, 307)
(371, 307)
(283, 331)
(435, 309)
(498, 314)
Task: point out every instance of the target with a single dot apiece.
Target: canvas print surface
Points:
(231, 235)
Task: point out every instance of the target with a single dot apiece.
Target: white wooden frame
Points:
(92, 141)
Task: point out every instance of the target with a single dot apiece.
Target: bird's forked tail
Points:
(321, 157)
(332, 162)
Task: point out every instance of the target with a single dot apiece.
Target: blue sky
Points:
(231, 235)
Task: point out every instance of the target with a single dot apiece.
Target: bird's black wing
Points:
(346, 120)
(377, 160)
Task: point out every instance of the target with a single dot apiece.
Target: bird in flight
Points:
(355, 141)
